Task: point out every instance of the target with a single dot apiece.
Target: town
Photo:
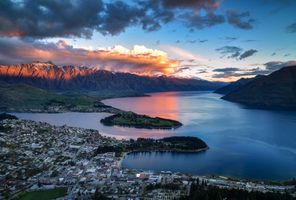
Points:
(36, 156)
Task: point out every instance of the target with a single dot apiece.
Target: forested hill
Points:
(275, 91)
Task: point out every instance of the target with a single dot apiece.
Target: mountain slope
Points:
(235, 85)
(65, 78)
(19, 97)
(275, 91)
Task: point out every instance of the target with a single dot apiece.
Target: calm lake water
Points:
(244, 143)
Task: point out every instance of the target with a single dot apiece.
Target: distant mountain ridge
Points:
(235, 85)
(61, 78)
(275, 91)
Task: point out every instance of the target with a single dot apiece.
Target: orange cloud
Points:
(139, 59)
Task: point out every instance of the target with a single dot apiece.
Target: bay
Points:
(244, 143)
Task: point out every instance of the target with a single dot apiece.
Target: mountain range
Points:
(274, 91)
(46, 75)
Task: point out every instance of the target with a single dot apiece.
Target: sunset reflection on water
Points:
(232, 138)
(166, 106)
(92, 121)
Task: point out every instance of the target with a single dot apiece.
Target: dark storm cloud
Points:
(80, 18)
(192, 4)
(235, 52)
(229, 38)
(225, 72)
(275, 65)
(223, 75)
(195, 21)
(154, 15)
(291, 28)
(230, 51)
(181, 69)
(277, 5)
(49, 18)
(187, 12)
(117, 17)
(233, 72)
(249, 40)
(269, 67)
(201, 71)
(227, 69)
(203, 41)
(240, 20)
(247, 54)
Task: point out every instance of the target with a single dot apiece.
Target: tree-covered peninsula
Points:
(172, 144)
(130, 119)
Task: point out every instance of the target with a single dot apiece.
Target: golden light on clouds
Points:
(138, 60)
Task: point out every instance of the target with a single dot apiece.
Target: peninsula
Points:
(131, 119)
(170, 144)
(25, 98)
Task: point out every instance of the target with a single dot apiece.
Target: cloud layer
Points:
(247, 53)
(240, 20)
(80, 18)
(233, 72)
(291, 28)
(139, 59)
(235, 52)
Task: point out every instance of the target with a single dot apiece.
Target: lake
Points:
(244, 143)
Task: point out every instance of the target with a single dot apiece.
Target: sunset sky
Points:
(220, 40)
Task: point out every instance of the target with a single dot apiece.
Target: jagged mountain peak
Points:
(50, 76)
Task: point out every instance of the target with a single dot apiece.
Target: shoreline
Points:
(232, 178)
(270, 182)
(168, 151)
(108, 135)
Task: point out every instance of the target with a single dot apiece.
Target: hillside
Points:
(235, 85)
(275, 91)
(72, 78)
(21, 97)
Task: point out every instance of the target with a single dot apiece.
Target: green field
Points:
(44, 194)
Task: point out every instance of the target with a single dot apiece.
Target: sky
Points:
(216, 40)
